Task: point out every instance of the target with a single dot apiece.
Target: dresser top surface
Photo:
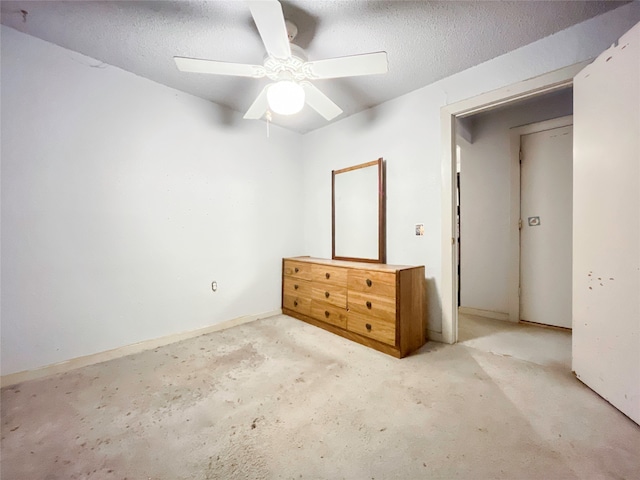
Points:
(383, 267)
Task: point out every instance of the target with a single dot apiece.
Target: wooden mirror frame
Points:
(382, 218)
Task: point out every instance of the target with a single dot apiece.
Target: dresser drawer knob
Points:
(327, 275)
(326, 314)
(295, 287)
(326, 294)
(296, 269)
(369, 283)
(369, 305)
(368, 326)
(295, 303)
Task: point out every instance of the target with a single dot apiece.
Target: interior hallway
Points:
(278, 398)
(545, 346)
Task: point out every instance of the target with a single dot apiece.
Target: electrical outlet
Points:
(214, 286)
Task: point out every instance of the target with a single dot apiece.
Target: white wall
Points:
(402, 135)
(406, 132)
(123, 199)
(606, 226)
(485, 188)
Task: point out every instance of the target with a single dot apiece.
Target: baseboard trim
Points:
(72, 364)
(544, 325)
(434, 336)
(484, 313)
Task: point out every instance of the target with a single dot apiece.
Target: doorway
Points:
(531, 88)
(488, 202)
(488, 207)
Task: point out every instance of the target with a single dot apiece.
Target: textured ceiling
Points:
(425, 41)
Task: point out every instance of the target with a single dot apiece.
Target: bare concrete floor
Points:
(544, 346)
(277, 398)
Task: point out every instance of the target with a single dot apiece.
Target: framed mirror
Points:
(358, 216)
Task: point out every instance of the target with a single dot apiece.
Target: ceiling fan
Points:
(287, 66)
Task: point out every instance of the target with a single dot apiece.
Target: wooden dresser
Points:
(380, 306)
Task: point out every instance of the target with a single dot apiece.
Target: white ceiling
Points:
(425, 41)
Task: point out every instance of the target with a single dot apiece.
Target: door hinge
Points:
(520, 155)
(519, 224)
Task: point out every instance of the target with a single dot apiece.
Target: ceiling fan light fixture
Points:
(285, 97)
(287, 65)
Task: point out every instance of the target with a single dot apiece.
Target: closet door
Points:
(606, 225)
(545, 237)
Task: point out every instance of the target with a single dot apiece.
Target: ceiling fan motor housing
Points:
(293, 68)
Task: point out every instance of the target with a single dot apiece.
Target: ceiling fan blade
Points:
(268, 16)
(259, 106)
(352, 66)
(320, 102)
(219, 68)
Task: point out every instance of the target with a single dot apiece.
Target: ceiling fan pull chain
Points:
(268, 116)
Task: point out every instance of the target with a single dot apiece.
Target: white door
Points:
(606, 225)
(545, 237)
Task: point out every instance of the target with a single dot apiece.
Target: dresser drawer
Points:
(372, 282)
(297, 287)
(372, 327)
(366, 304)
(295, 269)
(298, 304)
(326, 274)
(332, 294)
(329, 313)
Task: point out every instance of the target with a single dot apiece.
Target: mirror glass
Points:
(358, 213)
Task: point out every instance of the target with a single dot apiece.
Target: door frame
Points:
(514, 208)
(532, 87)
